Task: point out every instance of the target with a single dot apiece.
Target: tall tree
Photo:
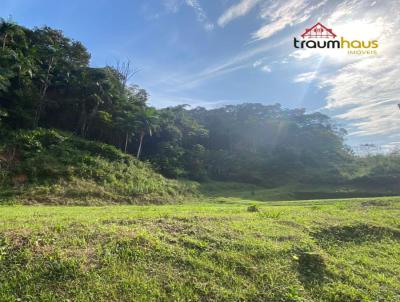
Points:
(146, 123)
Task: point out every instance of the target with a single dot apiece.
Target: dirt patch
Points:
(121, 221)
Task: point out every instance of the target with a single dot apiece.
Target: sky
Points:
(212, 53)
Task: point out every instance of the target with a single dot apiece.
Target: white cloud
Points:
(301, 54)
(366, 90)
(362, 90)
(261, 65)
(266, 68)
(305, 77)
(200, 13)
(173, 6)
(232, 64)
(257, 63)
(281, 14)
(237, 10)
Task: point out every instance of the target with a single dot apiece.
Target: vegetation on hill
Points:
(337, 250)
(46, 81)
(49, 166)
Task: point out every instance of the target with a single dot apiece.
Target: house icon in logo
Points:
(318, 31)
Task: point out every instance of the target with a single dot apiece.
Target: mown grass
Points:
(222, 249)
(293, 191)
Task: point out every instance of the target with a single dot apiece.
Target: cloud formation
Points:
(305, 77)
(266, 68)
(276, 15)
(235, 11)
(363, 91)
(173, 6)
(200, 13)
(280, 14)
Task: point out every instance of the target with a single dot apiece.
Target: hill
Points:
(49, 166)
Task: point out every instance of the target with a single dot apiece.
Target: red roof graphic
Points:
(318, 31)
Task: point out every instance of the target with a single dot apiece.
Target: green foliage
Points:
(261, 144)
(177, 149)
(376, 171)
(54, 166)
(46, 81)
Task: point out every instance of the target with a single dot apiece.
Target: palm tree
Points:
(126, 121)
(147, 123)
(7, 29)
(94, 89)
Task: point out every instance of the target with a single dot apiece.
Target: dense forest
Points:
(46, 81)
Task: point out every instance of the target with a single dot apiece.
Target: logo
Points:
(318, 31)
(320, 36)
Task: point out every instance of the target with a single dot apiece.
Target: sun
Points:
(362, 29)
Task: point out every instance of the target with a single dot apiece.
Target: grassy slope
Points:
(331, 250)
(54, 167)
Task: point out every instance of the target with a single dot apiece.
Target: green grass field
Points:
(221, 249)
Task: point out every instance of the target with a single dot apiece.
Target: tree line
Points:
(46, 81)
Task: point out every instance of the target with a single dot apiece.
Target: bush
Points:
(63, 163)
(252, 208)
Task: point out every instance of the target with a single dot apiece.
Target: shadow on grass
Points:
(7, 196)
(336, 195)
(287, 192)
(358, 233)
(311, 268)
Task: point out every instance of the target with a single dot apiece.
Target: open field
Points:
(221, 249)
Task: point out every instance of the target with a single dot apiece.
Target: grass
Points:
(220, 249)
(54, 167)
(292, 191)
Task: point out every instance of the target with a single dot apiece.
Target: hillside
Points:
(49, 166)
(262, 144)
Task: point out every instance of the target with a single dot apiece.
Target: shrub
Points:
(64, 163)
(252, 208)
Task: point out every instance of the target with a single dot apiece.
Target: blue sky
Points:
(216, 52)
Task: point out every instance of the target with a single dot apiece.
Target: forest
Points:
(46, 81)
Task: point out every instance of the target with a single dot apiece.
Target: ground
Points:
(216, 249)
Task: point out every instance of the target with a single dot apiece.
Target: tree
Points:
(126, 121)
(125, 70)
(57, 57)
(178, 144)
(16, 72)
(146, 123)
(7, 31)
